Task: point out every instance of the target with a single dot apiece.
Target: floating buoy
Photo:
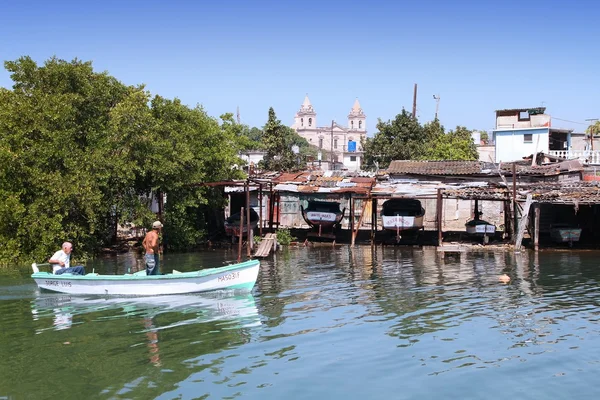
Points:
(504, 278)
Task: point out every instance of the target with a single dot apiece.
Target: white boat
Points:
(240, 276)
(402, 215)
(323, 217)
(480, 227)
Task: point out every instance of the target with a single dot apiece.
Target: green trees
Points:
(278, 140)
(405, 139)
(454, 145)
(80, 151)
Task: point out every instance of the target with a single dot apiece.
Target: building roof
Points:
(541, 109)
(435, 167)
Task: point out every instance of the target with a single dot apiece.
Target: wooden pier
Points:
(266, 244)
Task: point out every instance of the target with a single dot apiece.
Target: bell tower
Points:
(306, 117)
(357, 119)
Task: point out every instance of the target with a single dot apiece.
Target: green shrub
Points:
(284, 237)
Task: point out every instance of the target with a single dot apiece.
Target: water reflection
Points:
(193, 309)
(327, 322)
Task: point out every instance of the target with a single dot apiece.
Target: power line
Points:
(566, 120)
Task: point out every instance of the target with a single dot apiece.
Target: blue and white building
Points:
(521, 132)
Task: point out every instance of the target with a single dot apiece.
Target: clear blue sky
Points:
(478, 56)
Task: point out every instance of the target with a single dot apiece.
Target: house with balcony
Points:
(521, 132)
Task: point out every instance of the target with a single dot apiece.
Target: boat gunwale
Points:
(141, 277)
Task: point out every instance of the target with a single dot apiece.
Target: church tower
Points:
(357, 119)
(306, 117)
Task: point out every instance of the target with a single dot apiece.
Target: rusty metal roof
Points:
(542, 109)
(525, 168)
(435, 167)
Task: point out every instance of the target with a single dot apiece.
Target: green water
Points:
(321, 323)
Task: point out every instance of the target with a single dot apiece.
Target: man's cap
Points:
(157, 224)
(67, 244)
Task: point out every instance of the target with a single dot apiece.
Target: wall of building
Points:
(487, 153)
(511, 145)
(252, 157)
(512, 122)
(352, 165)
(455, 212)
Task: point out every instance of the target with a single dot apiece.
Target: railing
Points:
(586, 156)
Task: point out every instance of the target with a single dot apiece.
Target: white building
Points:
(521, 132)
(343, 142)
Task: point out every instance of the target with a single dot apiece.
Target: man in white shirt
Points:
(61, 261)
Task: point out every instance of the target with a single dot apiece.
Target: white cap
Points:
(157, 224)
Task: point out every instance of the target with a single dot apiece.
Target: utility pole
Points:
(238, 115)
(437, 105)
(415, 103)
(332, 145)
(592, 123)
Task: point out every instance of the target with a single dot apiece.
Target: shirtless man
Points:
(152, 248)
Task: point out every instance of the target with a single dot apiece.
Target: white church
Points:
(343, 142)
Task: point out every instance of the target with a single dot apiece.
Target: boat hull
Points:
(324, 219)
(238, 276)
(234, 229)
(565, 235)
(482, 229)
(402, 223)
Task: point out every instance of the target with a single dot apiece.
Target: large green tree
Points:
(402, 138)
(278, 141)
(405, 139)
(81, 151)
(454, 145)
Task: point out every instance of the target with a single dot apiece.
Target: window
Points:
(359, 124)
(320, 143)
(528, 138)
(353, 158)
(301, 121)
(524, 115)
(335, 143)
(351, 124)
(310, 122)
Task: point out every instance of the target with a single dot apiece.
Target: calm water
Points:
(321, 323)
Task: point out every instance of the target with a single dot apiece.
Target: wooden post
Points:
(241, 234)
(351, 213)
(373, 220)
(514, 201)
(271, 207)
(248, 231)
(278, 214)
(260, 216)
(536, 226)
(439, 215)
(360, 219)
(508, 217)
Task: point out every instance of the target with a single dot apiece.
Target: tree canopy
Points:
(81, 151)
(404, 138)
(278, 141)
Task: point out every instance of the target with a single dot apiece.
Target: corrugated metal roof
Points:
(435, 167)
(542, 109)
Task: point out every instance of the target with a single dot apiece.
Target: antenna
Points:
(437, 104)
(238, 115)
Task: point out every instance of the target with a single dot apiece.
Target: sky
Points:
(477, 56)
